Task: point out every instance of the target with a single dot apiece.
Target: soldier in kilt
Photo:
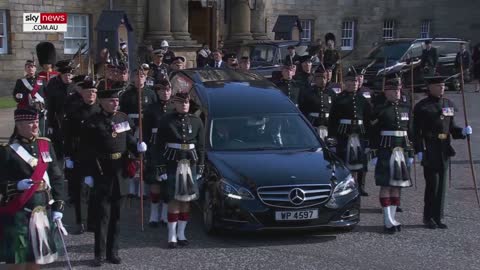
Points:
(389, 137)
(179, 159)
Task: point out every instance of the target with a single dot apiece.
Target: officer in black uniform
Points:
(31, 195)
(75, 116)
(56, 94)
(429, 59)
(434, 128)
(153, 115)
(129, 106)
(317, 102)
(349, 123)
(106, 140)
(159, 69)
(289, 86)
(180, 156)
(304, 74)
(390, 140)
(335, 87)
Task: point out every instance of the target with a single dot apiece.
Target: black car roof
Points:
(238, 93)
(417, 40)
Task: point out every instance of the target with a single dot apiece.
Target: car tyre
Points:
(208, 214)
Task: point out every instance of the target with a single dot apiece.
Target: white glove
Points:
(373, 161)
(199, 176)
(68, 163)
(420, 156)
(57, 216)
(24, 184)
(141, 147)
(88, 181)
(467, 131)
(410, 161)
(162, 177)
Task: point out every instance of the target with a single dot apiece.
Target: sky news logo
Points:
(45, 22)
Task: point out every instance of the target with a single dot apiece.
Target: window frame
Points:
(351, 31)
(388, 27)
(425, 28)
(87, 38)
(309, 29)
(4, 44)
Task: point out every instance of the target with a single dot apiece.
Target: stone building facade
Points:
(186, 24)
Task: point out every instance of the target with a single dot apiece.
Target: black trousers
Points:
(107, 226)
(75, 189)
(435, 191)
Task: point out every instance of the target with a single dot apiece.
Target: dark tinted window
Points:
(262, 53)
(444, 48)
(258, 132)
(392, 51)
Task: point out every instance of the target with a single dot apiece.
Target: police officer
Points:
(429, 59)
(153, 114)
(317, 102)
(106, 140)
(178, 63)
(168, 55)
(232, 61)
(349, 123)
(180, 156)
(56, 94)
(32, 195)
(289, 86)
(75, 116)
(434, 128)
(129, 106)
(158, 68)
(390, 138)
(30, 92)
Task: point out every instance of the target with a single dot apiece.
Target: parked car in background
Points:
(266, 167)
(392, 56)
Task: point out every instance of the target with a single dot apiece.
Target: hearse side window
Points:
(445, 48)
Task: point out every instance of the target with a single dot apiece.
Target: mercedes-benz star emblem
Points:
(297, 196)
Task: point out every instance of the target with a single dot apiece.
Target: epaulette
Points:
(44, 138)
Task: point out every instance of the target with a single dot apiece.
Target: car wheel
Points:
(208, 217)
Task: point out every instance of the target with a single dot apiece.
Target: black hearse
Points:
(266, 167)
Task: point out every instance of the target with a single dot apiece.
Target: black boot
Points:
(361, 184)
(441, 225)
(114, 259)
(430, 224)
(97, 262)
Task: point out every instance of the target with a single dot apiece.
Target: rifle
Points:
(413, 104)
(462, 86)
(140, 139)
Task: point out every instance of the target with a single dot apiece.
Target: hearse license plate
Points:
(296, 215)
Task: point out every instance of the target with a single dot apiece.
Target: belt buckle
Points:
(116, 156)
(442, 136)
(184, 146)
(354, 122)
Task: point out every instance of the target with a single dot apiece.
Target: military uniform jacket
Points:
(105, 135)
(330, 57)
(354, 107)
(290, 88)
(429, 58)
(129, 101)
(26, 97)
(366, 93)
(75, 116)
(316, 106)
(56, 94)
(391, 116)
(13, 169)
(181, 129)
(434, 127)
(335, 87)
(159, 71)
(153, 114)
(168, 57)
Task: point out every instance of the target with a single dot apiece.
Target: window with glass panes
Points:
(3, 32)
(307, 30)
(388, 29)
(425, 29)
(348, 28)
(77, 33)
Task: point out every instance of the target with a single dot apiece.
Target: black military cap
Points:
(78, 78)
(320, 69)
(179, 58)
(25, 114)
(291, 47)
(305, 58)
(351, 74)
(231, 56)
(30, 63)
(435, 79)
(428, 41)
(392, 83)
(63, 66)
(181, 97)
(112, 93)
(87, 83)
(161, 84)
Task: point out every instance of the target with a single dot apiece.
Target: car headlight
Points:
(345, 187)
(234, 191)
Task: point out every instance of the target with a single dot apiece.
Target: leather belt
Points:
(181, 146)
(133, 115)
(351, 122)
(316, 114)
(112, 156)
(394, 133)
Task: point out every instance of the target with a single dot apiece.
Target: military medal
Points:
(46, 156)
(114, 134)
